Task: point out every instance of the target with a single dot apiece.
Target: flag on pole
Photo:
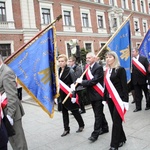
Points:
(35, 67)
(121, 44)
(144, 48)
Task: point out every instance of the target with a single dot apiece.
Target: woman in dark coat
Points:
(66, 75)
(116, 95)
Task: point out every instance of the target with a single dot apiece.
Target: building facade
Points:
(87, 23)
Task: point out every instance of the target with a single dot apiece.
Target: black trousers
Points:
(75, 113)
(100, 120)
(138, 95)
(118, 134)
(3, 137)
(80, 94)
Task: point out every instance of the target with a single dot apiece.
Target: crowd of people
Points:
(103, 86)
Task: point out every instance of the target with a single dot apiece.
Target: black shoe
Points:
(82, 112)
(147, 108)
(112, 148)
(65, 133)
(102, 131)
(133, 102)
(80, 129)
(137, 110)
(121, 143)
(92, 139)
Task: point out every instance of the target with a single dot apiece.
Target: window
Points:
(114, 22)
(46, 16)
(98, 1)
(124, 4)
(149, 7)
(5, 50)
(2, 11)
(85, 20)
(144, 27)
(88, 47)
(136, 26)
(67, 18)
(68, 50)
(142, 6)
(112, 2)
(133, 5)
(100, 21)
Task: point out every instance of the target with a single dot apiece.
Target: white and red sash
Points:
(4, 100)
(66, 89)
(98, 87)
(114, 95)
(3, 103)
(139, 66)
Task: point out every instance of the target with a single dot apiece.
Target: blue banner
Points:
(144, 48)
(35, 68)
(121, 44)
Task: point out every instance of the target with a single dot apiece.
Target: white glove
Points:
(10, 120)
(148, 86)
(56, 101)
(104, 102)
(72, 86)
(126, 105)
(79, 80)
(73, 100)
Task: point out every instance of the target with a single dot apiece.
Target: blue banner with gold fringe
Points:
(121, 44)
(144, 48)
(36, 70)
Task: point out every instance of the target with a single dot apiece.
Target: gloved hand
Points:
(72, 86)
(10, 120)
(56, 101)
(104, 102)
(73, 100)
(148, 86)
(126, 105)
(79, 80)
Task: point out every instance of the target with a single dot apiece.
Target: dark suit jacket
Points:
(137, 76)
(97, 72)
(119, 80)
(68, 78)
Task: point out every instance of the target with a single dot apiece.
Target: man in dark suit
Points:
(14, 110)
(139, 79)
(77, 72)
(100, 125)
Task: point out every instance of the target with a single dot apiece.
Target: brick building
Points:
(90, 22)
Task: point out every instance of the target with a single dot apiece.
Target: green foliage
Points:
(83, 55)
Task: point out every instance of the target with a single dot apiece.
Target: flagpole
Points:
(37, 35)
(101, 51)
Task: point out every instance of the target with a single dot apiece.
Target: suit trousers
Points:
(18, 141)
(100, 120)
(118, 134)
(76, 115)
(3, 137)
(138, 95)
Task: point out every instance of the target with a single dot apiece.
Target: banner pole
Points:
(37, 35)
